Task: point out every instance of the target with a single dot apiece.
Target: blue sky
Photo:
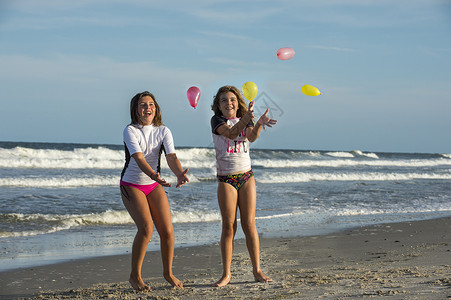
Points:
(68, 69)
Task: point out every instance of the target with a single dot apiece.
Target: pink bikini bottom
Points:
(146, 188)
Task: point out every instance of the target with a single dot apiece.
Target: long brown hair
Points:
(134, 114)
(242, 108)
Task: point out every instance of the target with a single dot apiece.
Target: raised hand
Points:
(250, 109)
(266, 121)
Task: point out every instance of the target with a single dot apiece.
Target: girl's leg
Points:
(136, 203)
(161, 214)
(227, 199)
(247, 201)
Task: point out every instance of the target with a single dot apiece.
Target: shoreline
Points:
(410, 259)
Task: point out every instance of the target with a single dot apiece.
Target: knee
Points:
(249, 227)
(166, 233)
(146, 231)
(228, 230)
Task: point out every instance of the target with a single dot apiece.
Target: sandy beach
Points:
(410, 260)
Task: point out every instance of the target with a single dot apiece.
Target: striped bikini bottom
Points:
(236, 180)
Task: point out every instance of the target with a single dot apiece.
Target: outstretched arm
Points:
(235, 130)
(252, 133)
(176, 167)
(147, 169)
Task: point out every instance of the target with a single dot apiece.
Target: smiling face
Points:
(146, 110)
(229, 102)
(228, 105)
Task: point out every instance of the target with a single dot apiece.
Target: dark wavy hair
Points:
(134, 114)
(242, 108)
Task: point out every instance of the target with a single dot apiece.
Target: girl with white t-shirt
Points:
(233, 129)
(145, 139)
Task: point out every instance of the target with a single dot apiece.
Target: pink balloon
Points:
(193, 95)
(285, 53)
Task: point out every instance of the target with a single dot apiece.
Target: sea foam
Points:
(291, 177)
(48, 223)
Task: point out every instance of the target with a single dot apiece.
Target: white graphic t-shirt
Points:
(151, 141)
(232, 156)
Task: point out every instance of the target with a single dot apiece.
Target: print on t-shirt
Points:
(237, 146)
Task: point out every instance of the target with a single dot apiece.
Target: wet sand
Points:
(409, 260)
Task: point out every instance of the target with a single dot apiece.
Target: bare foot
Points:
(173, 281)
(223, 281)
(260, 277)
(138, 285)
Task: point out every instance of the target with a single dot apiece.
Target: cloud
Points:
(340, 49)
(64, 79)
(234, 17)
(224, 35)
(237, 63)
(87, 68)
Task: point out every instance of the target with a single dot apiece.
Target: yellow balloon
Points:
(250, 90)
(310, 90)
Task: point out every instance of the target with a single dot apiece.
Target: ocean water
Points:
(61, 201)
